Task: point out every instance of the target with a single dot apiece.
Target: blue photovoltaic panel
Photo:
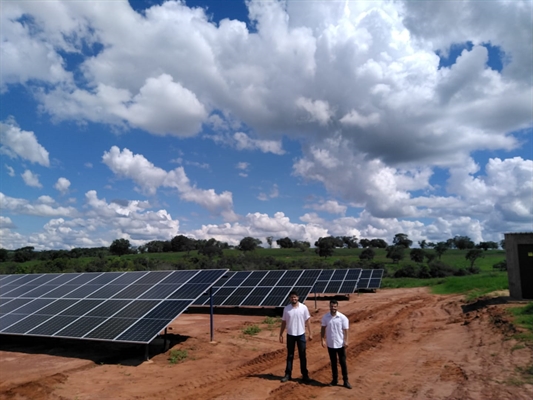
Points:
(114, 306)
(261, 288)
(348, 280)
(371, 279)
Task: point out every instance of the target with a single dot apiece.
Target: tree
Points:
(248, 244)
(302, 245)
(423, 244)
(440, 248)
(23, 254)
(364, 243)
(4, 254)
(325, 246)
(367, 254)
(211, 248)
(155, 246)
(395, 253)
(463, 242)
(120, 247)
(472, 255)
(350, 242)
(417, 255)
(502, 244)
(182, 243)
(401, 239)
(378, 243)
(269, 240)
(487, 245)
(285, 243)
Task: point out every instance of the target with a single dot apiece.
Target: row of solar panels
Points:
(136, 306)
(113, 306)
(270, 288)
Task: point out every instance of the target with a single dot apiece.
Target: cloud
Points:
(244, 142)
(18, 143)
(149, 177)
(45, 206)
(260, 226)
(10, 170)
(62, 185)
(368, 72)
(329, 206)
(359, 85)
(317, 110)
(31, 179)
(274, 192)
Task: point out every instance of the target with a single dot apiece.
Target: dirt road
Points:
(405, 344)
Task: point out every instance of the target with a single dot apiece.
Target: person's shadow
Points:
(272, 377)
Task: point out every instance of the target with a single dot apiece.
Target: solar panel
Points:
(261, 288)
(338, 281)
(114, 306)
(371, 279)
(344, 281)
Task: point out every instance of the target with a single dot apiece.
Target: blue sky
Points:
(148, 119)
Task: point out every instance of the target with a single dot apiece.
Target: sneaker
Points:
(347, 385)
(333, 383)
(306, 379)
(286, 378)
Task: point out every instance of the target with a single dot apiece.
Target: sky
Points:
(145, 120)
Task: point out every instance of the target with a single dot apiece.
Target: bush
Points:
(502, 265)
(438, 269)
(177, 356)
(407, 271)
(251, 330)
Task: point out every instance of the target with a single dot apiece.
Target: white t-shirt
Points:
(334, 329)
(295, 318)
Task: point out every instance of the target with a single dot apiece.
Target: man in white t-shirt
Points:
(295, 318)
(334, 334)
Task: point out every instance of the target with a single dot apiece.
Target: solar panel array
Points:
(348, 280)
(113, 306)
(261, 288)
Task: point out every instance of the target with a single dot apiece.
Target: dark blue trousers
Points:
(300, 342)
(333, 353)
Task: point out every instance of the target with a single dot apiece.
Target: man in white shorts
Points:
(295, 318)
(334, 334)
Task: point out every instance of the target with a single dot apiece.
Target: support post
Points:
(211, 311)
(147, 352)
(314, 287)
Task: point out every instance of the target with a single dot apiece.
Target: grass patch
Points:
(271, 322)
(523, 316)
(473, 286)
(177, 356)
(251, 330)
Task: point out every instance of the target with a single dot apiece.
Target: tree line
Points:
(323, 247)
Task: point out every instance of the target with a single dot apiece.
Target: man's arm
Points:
(323, 336)
(308, 324)
(283, 325)
(345, 332)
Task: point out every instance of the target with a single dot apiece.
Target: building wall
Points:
(516, 280)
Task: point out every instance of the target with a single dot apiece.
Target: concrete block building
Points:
(519, 253)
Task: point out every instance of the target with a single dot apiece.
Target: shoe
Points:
(285, 378)
(347, 385)
(306, 379)
(333, 383)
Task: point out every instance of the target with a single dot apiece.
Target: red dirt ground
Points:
(404, 344)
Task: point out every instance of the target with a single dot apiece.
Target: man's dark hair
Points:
(334, 302)
(293, 293)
